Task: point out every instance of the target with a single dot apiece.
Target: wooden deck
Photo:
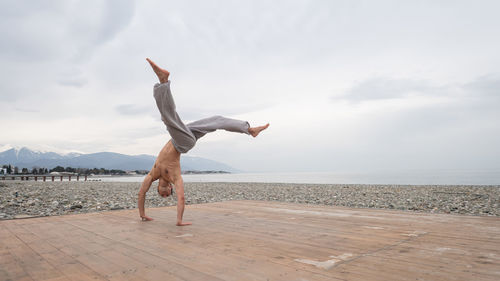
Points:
(248, 240)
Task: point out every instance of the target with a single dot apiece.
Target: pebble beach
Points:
(22, 199)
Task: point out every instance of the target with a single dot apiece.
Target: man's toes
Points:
(262, 128)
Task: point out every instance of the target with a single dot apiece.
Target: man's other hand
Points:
(146, 218)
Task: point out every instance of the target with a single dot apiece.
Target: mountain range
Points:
(27, 158)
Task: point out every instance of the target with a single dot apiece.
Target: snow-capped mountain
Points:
(24, 157)
(40, 149)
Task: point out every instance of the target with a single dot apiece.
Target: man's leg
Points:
(182, 138)
(201, 127)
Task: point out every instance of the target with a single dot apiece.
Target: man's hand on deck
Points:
(146, 218)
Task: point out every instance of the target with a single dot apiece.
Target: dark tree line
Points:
(86, 171)
(8, 168)
(82, 171)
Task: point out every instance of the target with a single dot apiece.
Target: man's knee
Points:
(185, 145)
(191, 142)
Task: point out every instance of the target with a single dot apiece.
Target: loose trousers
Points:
(184, 137)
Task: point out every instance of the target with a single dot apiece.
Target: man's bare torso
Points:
(167, 166)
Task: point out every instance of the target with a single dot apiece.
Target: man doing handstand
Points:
(167, 167)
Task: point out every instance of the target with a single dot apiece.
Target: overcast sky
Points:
(346, 85)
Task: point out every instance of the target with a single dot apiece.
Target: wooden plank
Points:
(34, 265)
(69, 268)
(252, 240)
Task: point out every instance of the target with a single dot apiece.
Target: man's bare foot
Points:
(255, 131)
(160, 72)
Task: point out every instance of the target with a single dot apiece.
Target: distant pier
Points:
(44, 177)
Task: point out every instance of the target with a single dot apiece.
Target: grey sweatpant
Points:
(184, 137)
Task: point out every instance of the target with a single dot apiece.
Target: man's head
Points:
(164, 189)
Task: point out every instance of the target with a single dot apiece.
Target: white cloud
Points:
(346, 85)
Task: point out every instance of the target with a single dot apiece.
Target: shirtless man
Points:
(167, 167)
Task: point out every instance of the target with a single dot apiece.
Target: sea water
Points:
(413, 177)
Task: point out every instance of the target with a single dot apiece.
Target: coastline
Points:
(401, 177)
(20, 199)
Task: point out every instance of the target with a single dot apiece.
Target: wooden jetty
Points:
(43, 177)
(252, 240)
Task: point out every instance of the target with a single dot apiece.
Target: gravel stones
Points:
(76, 206)
(18, 198)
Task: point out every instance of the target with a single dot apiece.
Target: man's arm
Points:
(181, 201)
(146, 184)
